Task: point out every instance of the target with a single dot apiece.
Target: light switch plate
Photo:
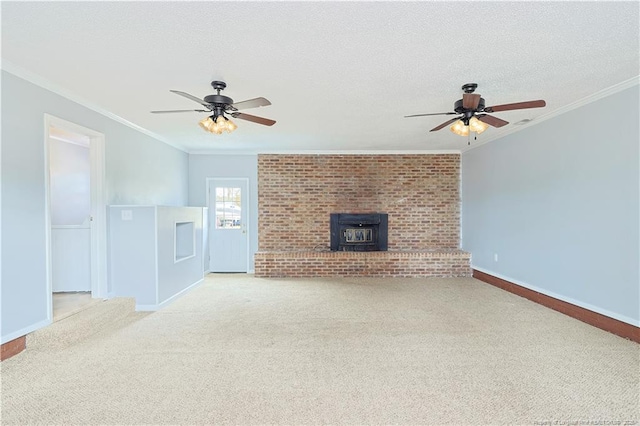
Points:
(126, 214)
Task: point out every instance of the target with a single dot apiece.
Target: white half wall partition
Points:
(555, 207)
(155, 252)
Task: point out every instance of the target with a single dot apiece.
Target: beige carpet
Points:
(243, 350)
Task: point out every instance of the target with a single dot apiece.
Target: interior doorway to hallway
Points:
(76, 231)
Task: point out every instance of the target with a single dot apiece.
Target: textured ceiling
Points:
(340, 75)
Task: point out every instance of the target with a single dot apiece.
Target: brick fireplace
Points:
(419, 195)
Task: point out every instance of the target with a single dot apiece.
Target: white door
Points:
(70, 197)
(228, 230)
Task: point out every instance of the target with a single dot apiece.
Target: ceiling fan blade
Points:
(491, 120)
(470, 100)
(179, 110)
(517, 105)
(435, 113)
(253, 118)
(251, 103)
(445, 124)
(193, 98)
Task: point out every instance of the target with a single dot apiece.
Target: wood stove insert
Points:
(359, 232)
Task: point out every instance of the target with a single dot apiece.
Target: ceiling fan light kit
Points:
(472, 113)
(217, 124)
(219, 105)
(472, 125)
(459, 128)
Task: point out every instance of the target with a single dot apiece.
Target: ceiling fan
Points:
(471, 112)
(219, 105)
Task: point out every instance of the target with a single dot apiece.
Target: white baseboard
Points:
(147, 308)
(575, 302)
(23, 332)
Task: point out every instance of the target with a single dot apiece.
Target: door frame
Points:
(98, 208)
(246, 205)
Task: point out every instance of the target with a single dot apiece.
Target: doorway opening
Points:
(76, 215)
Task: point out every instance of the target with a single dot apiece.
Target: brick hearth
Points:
(453, 263)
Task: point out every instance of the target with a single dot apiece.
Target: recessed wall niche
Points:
(185, 241)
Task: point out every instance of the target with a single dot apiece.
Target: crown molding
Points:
(634, 81)
(40, 81)
(70, 141)
(329, 152)
(500, 133)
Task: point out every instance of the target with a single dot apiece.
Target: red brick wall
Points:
(296, 193)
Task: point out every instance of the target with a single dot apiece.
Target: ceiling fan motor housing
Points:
(457, 107)
(218, 100)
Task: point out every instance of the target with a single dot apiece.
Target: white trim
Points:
(72, 142)
(1, 261)
(245, 201)
(146, 308)
(205, 240)
(47, 225)
(40, 81)
(327, 152)
(592, 97)
(99, 212)
(563, 298)
(496, 134)
(70, 227)
(169, 300)
(132, 205)
(24, 331)
(98, 207)
(156, 262)
(500, 133)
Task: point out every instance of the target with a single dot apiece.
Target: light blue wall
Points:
(559, 203)
(202, 167)
(139, 170)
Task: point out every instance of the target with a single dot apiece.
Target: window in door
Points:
(228, 208)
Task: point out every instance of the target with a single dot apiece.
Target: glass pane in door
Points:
(228, 208)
